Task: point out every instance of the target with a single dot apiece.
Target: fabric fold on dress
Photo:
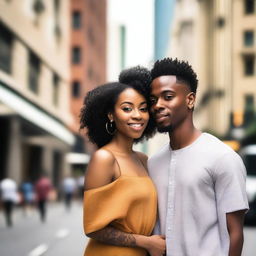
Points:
(128, 204)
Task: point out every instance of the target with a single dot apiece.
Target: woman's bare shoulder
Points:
(100, 170)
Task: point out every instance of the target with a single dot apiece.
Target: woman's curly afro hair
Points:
(174, 67)
(101, 101)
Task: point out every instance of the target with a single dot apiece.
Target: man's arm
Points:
(235, 221)
(155, 245)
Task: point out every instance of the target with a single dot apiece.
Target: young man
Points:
(200, 181)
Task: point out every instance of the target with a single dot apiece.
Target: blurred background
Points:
(53, 51)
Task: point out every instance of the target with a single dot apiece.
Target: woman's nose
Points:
(136, 114)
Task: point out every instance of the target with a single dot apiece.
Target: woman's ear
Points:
(191, 98)
(110, 116)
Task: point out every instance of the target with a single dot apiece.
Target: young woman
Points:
(119, 199)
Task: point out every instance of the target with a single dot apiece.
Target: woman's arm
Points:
(101, 171)
(155, 245)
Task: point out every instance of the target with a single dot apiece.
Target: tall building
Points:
(218, 39)
(163, 21)
(130, 38)
(34, 89)
(244, 63)
(87, 62)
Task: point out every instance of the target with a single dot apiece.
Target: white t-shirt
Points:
(197, 185)
(8, 190)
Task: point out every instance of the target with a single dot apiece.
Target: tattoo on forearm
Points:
(114, 236)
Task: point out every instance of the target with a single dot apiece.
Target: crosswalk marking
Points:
(39, 250)
(61, 233)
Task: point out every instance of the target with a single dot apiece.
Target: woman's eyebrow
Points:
(130, 103)
(126, 102)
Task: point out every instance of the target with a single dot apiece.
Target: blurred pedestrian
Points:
(28, 195)
(42, 188)
(80, 186)
(69, 187)
(9, 197)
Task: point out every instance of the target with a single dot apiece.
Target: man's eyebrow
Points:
(166, 91)
(163, 92)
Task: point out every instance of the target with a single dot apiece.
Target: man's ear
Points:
(110, 116)
(191, 98)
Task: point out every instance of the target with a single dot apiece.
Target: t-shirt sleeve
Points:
(230, 184)
(103, 205)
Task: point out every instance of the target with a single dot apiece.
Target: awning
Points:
(77, 158)
(35, 115)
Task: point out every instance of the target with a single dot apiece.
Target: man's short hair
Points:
(174, 67)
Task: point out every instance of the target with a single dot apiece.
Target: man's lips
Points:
(161, 117)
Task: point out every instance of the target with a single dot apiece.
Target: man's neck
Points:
(183, 136)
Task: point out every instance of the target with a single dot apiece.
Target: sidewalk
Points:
(61, 234)
(53, 209)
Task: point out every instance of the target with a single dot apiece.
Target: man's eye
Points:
(153, 101)
(168, 97)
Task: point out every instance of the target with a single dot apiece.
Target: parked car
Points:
(248, 154)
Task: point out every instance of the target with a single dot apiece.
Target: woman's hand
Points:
(157, 245)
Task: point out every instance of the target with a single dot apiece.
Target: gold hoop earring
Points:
(110, 128)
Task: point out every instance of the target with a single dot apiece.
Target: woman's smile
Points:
(137, 126)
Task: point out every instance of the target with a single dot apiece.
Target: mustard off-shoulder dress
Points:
(129, 204)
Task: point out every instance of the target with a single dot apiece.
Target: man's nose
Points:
(158, 104)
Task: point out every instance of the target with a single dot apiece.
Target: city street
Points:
(62, 234)
(249, 241)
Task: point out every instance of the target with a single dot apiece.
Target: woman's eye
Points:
(127, 109)
(144, 109)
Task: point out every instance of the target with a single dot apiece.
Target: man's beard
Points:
(163, 129)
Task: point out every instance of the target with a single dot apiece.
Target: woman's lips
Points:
(136, 126)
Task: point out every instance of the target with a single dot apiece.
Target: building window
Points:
(248, 109)
(122, 46)
(34, 73)
(249, 6)
(57, 27)
(6, 42)
(38, 6)
(249, 103)
(249, 64)
(76, 55)
(76, 89)
(249, 38)
(76, 20)
(56, 86)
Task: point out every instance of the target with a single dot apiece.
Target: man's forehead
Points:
(163, 83)
(166, 79)
(168, 83)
